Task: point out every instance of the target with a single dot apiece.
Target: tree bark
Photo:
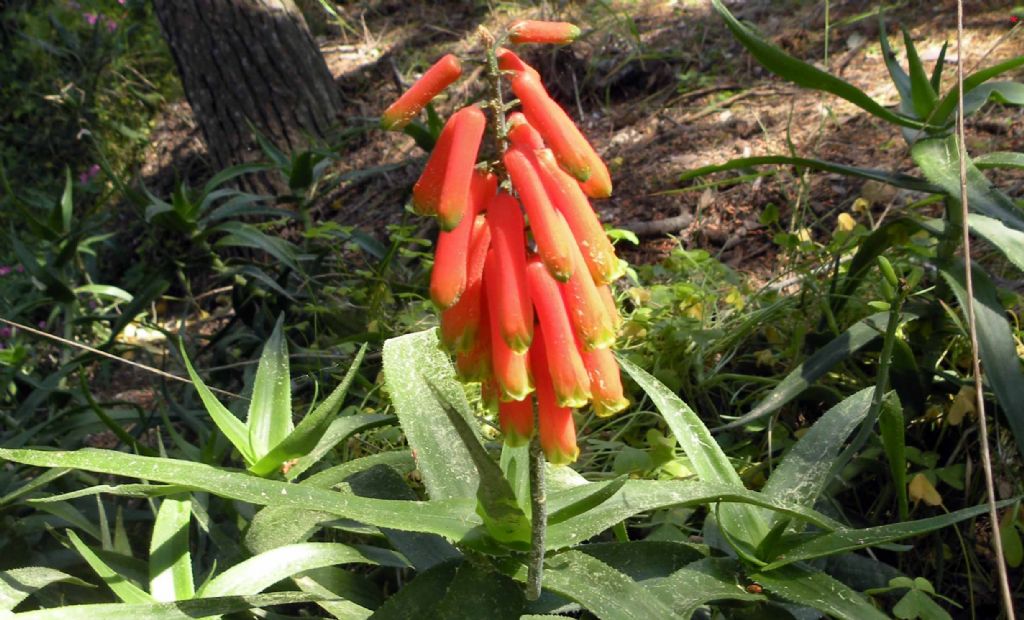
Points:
(250, 65)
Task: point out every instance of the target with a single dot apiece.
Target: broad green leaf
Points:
(352, 596)
(170, 562)
(18, 584)
(1000, 361)
(923, 96)
(699, 583)
(264, 570)
(308, 433)
(638, 496)
(815, 589)
(233, 428)
(338, 430)
(940, 62)
(896, 179)
(413, 364)
(706, 457)
(948, 104)
(818, 545)
(645, 559)
(1000, 159)
(899, 77)
(454, 519)
(515, 464)
(120, 490)
(476, 590)
(600, 492)
(270, 410)
(419, 598)
(940, 162)
(104, 290)
(1011, 93)
(124, 589)
(1009, 241)
(814, 367)
(804, 471)
(804, 74)
(180, 610)
(599, 588)
(32, 485)
(248, 236)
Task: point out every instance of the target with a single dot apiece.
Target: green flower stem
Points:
(539, 521)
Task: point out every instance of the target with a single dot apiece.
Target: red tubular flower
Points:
(516, 420)
(605, 382)
(549, 229)
(507, 268)
(534, 31)
(474, 364)
(460, 323)
(568, 198)
(568, 375)
(588, 314)
(609, 305)
(458, 173)
(438, 77)
(489, 394)
(599, 185)
(522, 134)
(509, 61)
(555, 424)
(571, 149)
(511, 369)
(426, 193)
(451, 259)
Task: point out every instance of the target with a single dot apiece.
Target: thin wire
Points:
(85, 347)
(986, 457)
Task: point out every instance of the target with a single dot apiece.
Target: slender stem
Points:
(986, 457)
(539, 520)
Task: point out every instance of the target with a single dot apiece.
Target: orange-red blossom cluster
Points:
(522, 318)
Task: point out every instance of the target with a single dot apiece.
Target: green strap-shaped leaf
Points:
(1011, 93)
(453, 519)
(170, 562)
(354, 597)
(264, 570)
(18, 584)
(939, 160)
(948, 103)
(600, 492)
(815, 589)
(896, 179)
(1000, 159)
(248, 236)
(804, 74)
(270, 410)
(999, 359)
(310, 430)
(923, 96)
(412, 365)
(710, 579)
(475, 589)
(124, 589)
(803, 548)
(804, 470)
(814, 367)
(337, 431)
(645, 559)
(420, 597)
(706, 456)
(181, 610)
(1009, 241)
(233, 428)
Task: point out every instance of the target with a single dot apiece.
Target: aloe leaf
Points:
(804, 74)
(896, 179)
(923, 96)
(233, 428)
(474, 588)
(809, 547)
(124, 589)
(259, 572)
(940, 62)
(247, 236)
(814, 367)
(18, 584)
(892, 427)
(453, 519)
(999, 358)
(645, 559)
(420, 597)
(699, 583)
(170, 562)
(804, 471)
(1000, 159)
(304, 438)
(600, 492)
(412, 364)
(1008, 240)
(1011, 93)
(180, 610)
(948, 103)
(270, 408)
(337, 431)
(706, 456)
(815, 589)
(351, 596)
(899, 77)
(233, 172)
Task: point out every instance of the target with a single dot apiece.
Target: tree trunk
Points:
(250, 65)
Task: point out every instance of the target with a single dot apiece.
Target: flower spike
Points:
(451, 260)
(437, 78)
(549, 229)
(511, 369)
(568, 375)
(460, 323)
(512, 306)
(555, 424)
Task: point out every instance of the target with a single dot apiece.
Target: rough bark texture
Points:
(250, 64)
